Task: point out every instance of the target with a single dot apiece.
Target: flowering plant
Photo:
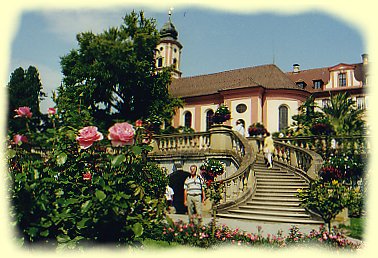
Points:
(221, 115)
(212, 168)
(321, 129)
(82, 188)
(256, 129)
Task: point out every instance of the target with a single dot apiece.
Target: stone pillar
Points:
(220, 138)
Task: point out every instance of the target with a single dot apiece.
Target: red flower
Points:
(19, 138)
(87, 176)
(139, 123)
(51, 111)
(23, 112)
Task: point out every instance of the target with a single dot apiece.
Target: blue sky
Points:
(213, 40)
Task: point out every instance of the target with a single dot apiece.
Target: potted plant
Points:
(221, 115)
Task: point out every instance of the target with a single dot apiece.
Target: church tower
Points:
(169, 49)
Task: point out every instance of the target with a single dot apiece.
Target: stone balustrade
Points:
(303, 161)
(358, 144)
(220, 142)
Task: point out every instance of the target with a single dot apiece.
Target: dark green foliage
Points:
(112, 75)
(24, 89)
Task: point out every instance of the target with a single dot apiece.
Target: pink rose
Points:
(19, 138)
(23, 112)
(51, 111)
(121, 134)
(88, 135)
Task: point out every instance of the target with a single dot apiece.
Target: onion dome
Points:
(168, 30)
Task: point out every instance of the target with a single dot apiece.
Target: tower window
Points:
(160, 62)
(161, 48)
(175, 50)
(175, 63)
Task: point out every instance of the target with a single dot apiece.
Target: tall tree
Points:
(24, 89)
(113, 76)
(344, 115)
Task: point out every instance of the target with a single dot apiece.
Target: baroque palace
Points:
(263, 94)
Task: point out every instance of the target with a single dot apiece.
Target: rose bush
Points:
(78, 192)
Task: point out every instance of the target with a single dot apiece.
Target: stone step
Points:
(280, 184)
(284, 187)
(284, 196)
(273, 203)
(272, 208)
(270, 213)
(263, 218)
(276, 199)
(281, 180)
(276, 190)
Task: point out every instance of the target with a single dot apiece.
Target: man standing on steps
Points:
(194, 195)
(268, 149)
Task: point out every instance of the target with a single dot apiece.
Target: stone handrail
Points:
(303, 161)
(239, 186)
(358, 144)
(188, 142)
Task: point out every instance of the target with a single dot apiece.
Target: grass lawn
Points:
(356, 228)
(158, 244)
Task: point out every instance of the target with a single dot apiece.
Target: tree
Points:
(24, 89)
(114, 74)
(307, 116)
(344, 115)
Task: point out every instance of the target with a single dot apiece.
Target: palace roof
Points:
(266, 76)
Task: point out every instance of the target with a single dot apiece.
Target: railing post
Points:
(220, 138)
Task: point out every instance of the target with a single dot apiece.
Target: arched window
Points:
(160, 62)
(283, 117)
(175, 64)
(209, 122)
(188, 119)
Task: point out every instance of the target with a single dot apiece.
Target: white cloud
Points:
(66, 24)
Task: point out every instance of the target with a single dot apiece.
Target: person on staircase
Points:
(268, 149)
(194, 195)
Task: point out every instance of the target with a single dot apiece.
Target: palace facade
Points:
(263, 93)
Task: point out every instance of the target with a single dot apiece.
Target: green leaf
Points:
(85, 206)
(100, 195)
(61, 159)
(136, 150)
(116, 161)
(63, 238)
(32, 231)
(11, 153)
(81, 223)
(45, 233)
(137, 229)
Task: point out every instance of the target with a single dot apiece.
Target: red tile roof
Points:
(266, 76)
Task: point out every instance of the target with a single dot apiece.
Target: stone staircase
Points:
(274, 199)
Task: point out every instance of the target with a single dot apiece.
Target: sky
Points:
(213, 40)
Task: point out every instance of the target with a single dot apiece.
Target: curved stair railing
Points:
(238, 185)
(304, 162)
